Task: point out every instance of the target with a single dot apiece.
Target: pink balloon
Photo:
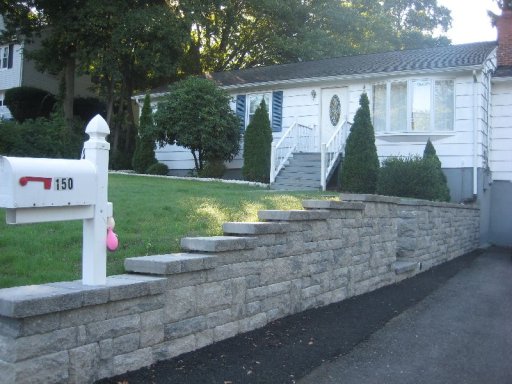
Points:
(112, 241)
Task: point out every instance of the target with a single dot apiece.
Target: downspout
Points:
(475, 137)
(22, 47)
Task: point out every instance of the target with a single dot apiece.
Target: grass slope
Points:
(152, 215)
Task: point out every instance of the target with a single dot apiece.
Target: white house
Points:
(459, 96)
(17, 71)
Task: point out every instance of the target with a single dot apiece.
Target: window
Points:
(419, 105)
(4, 57)
(255, 101)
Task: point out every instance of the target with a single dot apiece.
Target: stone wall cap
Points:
(332, 204)
(33, 300)
(368, 198)
(293, 215)
(217, 243)
(170, 264)
(257, 228)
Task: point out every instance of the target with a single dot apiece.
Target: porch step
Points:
(301, 173)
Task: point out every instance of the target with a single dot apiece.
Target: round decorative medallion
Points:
(335, 110)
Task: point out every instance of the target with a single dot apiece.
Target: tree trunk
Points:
(69, 91)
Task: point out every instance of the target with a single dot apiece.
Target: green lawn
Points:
(152, 215)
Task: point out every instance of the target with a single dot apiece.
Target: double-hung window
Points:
(418, 105)
(254, 101)
(4, 57)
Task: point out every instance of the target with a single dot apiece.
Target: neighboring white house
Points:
(17, 71)
(459, 96)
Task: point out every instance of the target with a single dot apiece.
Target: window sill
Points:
(394, 136)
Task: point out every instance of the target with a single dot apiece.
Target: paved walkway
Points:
(462, 333)
(450, 324)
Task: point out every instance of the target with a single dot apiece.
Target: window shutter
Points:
(10, 57)
(240, 111)
(277, 111)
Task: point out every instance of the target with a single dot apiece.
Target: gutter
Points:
(475, 136)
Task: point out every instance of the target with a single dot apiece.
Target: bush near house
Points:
(196, 115)
(360, 167)
(257, 146)
(415, 177)
(41, 137)
(144, 154)
(29, 103)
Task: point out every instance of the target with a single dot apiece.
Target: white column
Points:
(94, 257)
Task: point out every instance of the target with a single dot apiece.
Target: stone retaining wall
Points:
(221, 286)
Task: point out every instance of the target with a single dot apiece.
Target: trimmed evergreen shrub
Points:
(257, 146)
(29, 103)
(440, 184)
(360, 167)
(40, 138)
(158, 169)
(144, 155)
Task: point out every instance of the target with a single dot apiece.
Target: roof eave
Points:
(324, 79)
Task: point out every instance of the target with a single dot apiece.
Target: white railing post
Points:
(94, 257)
(322, 167)
(273, 154)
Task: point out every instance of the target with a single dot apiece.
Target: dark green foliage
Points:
(29, 103)
(412, 177)
(40, 138)
(360, 166)
(85, 108)
(257, 146)
(196, 115)
(442, 192)
(144, 155)
(158, 169)
(213, 168)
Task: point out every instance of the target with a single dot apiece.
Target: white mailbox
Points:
(29, 182)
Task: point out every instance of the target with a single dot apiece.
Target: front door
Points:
(334, 111)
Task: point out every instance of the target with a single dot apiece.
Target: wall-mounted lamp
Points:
(313, 94)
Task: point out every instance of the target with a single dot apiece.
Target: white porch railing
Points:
(297, 138)
(331, 151)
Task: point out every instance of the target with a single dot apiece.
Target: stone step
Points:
(293, 215)
(331, 204)
(170, 264)
(217, 243)
(258, 228)
(279, 187)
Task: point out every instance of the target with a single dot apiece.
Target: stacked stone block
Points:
(223, 285)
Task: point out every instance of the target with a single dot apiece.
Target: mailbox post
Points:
(41, 190)
(94, 257)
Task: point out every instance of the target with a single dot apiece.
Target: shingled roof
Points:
(452, 56)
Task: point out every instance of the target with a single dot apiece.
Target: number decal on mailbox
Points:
(63, 183)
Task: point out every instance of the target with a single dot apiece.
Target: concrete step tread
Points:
(170, 264)
(293, 215)
(217, 243)
(258, 228)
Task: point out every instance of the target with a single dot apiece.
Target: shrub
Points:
(213, 168)
(440, 184)
(158, 169)
(40, 138)
(144, 154)
(257, 146)
(412, 177)
(196, 115)
(29, 103)
(360, 167)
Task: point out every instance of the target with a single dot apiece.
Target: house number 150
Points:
(63, 183)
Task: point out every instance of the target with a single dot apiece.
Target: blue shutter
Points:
(240, 111)
(10, 57)
(277, 111)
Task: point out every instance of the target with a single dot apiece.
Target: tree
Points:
(359, 169)
(196, 115)
(144, 155)
(257, 146)
(440, 190)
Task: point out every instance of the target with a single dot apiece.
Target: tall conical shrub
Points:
(144, 155)
(439, 185)
(257, 146)
(360, 167)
